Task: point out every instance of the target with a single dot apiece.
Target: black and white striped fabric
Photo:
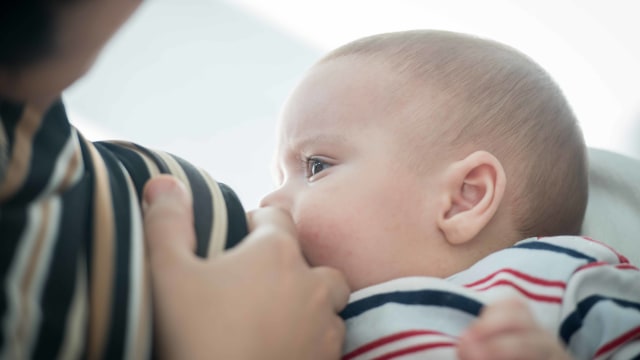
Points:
(577, 288)
(74, 282)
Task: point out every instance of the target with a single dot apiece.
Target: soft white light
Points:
(589, 47)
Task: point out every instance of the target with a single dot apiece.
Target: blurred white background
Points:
(205, 79)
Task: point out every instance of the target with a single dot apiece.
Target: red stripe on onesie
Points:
(393, 338)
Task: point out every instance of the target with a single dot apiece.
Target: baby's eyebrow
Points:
(293, 151)
(325, 139)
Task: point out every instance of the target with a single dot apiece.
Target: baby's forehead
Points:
(355, 99)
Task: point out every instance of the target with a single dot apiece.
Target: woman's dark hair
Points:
(26, 30)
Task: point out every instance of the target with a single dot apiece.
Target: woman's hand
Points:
(257, 301)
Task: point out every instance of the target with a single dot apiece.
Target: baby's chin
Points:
(364, 280)
(359, 284)
(357, 277)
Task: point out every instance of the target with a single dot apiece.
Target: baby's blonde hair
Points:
(488, 96)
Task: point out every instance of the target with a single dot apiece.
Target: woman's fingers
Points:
(337, 285)
(271, 216)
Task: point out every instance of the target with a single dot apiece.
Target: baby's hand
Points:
(507, 330)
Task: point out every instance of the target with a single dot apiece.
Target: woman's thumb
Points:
(168, 222)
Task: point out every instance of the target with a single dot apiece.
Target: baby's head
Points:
(418, 153)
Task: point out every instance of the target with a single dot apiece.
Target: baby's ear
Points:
(474, 188)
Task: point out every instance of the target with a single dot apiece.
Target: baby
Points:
(442, 173)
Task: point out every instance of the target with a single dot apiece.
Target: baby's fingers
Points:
(533, 345)
(508, 330)
(505, 316)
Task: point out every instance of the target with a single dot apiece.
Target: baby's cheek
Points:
(315, 247)
(321, 244)
(325, 246)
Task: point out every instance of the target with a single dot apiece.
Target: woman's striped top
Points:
(579, 289)
(74, 282)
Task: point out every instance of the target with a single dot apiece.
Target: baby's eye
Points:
(315, 165)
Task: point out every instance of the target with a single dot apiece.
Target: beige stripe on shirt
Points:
(18, 167)
(138, 337)
(102, 257)
(219, 221)
(27, 277)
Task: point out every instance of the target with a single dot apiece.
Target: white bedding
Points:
(613, 211)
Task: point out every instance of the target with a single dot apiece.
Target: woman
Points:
(72, 262)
